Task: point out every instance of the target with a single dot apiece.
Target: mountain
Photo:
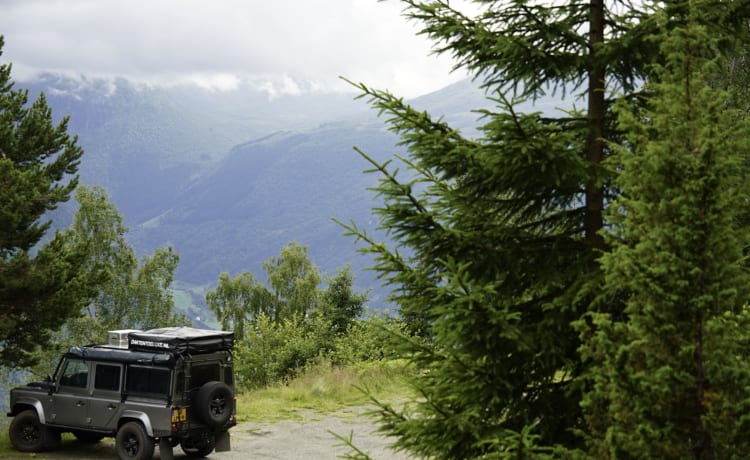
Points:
(229, 178)
(145, 144)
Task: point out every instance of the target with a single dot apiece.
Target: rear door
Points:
(105, 401)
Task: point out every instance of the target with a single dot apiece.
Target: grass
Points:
(7, 451)
(325, 388)
(5, 448)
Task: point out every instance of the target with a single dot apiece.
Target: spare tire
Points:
(214, 403)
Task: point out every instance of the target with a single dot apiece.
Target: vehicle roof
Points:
(121, 355)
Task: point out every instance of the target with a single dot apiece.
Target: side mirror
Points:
(51, 384)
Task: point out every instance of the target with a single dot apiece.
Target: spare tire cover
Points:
(214, 403)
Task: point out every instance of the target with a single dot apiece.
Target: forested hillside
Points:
(230, 178)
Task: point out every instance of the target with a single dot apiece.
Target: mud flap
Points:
(165, 449)
(222, 442)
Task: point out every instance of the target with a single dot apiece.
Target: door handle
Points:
(80, 403)
(111, 406)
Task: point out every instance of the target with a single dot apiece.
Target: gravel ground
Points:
(306, 439)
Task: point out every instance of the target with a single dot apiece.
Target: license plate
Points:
(179, 415)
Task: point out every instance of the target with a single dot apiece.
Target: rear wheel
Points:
(133, 443)
(198, 446)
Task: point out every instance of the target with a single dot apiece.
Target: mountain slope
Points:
(146, 144)
(228, 179)
(267, 193)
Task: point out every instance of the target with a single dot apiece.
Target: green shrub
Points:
(277, 351)
(369, 339)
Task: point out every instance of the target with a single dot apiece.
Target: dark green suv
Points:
(160, 387)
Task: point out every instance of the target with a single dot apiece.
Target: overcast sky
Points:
(280, 45)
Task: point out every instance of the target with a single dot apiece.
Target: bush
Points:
(273, 352)
(367, 339)
(276, 351)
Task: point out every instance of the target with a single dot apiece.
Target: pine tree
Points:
(340, 305)
(671, 373)
(38, 164)
(503, 233)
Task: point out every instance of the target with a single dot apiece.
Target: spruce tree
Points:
(502, 234)
(38, 164)
(670, 374)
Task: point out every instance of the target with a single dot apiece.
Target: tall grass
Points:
(325, 388)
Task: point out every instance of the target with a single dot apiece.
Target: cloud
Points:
(288, 45)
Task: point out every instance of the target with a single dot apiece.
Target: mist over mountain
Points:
(145, 144)
(229, 178)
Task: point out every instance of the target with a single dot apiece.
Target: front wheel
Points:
(133, 443)
(27, 434)
(198, 446)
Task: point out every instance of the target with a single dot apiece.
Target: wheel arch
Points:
(24, 402)
(136, 416)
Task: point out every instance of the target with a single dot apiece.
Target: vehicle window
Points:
(107, 377)
(202, 373)
(147, 381)
(76, 374)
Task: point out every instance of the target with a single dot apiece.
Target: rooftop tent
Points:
(181, 340)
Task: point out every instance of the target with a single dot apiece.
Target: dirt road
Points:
(306, 439)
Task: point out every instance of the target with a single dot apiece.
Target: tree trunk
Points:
(595, 142)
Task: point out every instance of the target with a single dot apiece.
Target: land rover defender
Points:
(161, 387)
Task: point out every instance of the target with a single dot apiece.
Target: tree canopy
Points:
(501, 236)
(292, 292)
(670, 378)
(124, 294)
(38, 271)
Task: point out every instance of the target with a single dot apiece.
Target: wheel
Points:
(133, 443)
(88, 437)
(27, 434)
(199, 446)
(214, 403)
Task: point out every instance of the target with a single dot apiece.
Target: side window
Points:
(202, 373)
(107, 377)
(75, 374)
(147, 381)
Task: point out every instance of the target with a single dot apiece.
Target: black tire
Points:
(88, 437)
(27, 434)
(199, 446)
(133, 443)
(214, 404)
